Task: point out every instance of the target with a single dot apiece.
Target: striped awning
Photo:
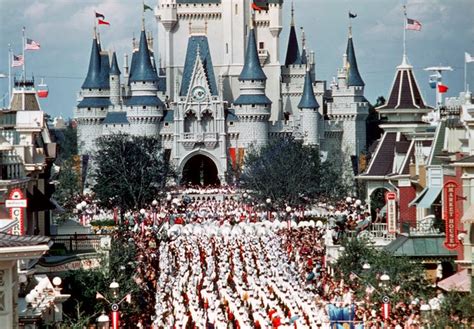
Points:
(430, 196)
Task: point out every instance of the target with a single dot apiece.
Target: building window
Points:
(261, 45)
(226, 48)
(236, 9)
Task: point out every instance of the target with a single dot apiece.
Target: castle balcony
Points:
(263, 56)
(190, 140)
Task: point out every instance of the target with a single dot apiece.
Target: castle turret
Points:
(252, 107)
(114, 81)
(309, 106)
(93, 99)
(144, 107)
(349, 108)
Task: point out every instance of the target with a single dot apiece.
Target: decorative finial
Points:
(143, 23)
(98, 38)
(292, 13)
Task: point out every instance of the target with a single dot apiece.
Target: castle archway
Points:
(200, 170)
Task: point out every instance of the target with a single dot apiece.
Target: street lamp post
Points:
(154, 205)
(425, 311)
(384, 279)
(114, 305)
(268, 202)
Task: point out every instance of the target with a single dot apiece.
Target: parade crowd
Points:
(207, 262)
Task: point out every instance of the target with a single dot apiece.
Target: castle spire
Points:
(114, 69)
(142, 68)
(92, 80)
(308, 100)
(293, 52)
(252, 69)
(353, 75)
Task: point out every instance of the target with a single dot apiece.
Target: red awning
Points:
(460, 281)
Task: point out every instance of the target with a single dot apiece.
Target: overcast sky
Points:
(64, 29)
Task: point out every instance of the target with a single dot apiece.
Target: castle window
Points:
(253, 105)
(236, 9)
(231, 123)
(166, 124)
(261, 45)
(88, 109)
(143, 82)
(100, 89)
(113, 78)
(101, 108)
(144, 107)
(226, 48)
(90, 89)
(114, 126)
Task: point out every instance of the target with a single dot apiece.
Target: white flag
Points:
(469, 58)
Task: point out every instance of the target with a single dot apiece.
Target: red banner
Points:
(391, 206)
(450, 214)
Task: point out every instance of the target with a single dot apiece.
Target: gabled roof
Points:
(114, 69)
(92, 80)
(353, 75)
(382, 163)
(198, 45)
(94, 102)
(144, 101)
(252, 69)
(308, 101)
(141, 68)
(405, 93)
(116, 118)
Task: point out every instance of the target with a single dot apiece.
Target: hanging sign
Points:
(391, 204)
(450, 214)
(17, 203)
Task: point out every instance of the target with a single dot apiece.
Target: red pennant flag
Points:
(102, 22)
(255, 7)
(442, 88)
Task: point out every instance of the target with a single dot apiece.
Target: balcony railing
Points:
(76, 243)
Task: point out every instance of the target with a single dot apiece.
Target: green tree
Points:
(457, 311)
(336, 176)
(373, 130)
(68, 186)
(284, 170)
(129, 170)
(68, 145)
(407, 276)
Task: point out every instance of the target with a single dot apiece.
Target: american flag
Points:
(18, 60)
(413, 24)
(32, 45)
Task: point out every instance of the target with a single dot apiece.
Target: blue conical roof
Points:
(252, 69)
(92, 80)
(114, 69)
(293, 56)
(104, 71)
(308, 101)
(353, 76)
(142, 69)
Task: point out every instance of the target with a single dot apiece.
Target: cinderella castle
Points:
(217, 86)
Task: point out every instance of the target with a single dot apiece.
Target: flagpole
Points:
(9, 73)
(404, 32)
(24, 59)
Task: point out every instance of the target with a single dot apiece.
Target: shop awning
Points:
(418, 198)
(468, 216)
(425, 246)
(460, 281)
(430, 196)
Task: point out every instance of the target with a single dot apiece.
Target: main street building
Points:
(217, 85)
